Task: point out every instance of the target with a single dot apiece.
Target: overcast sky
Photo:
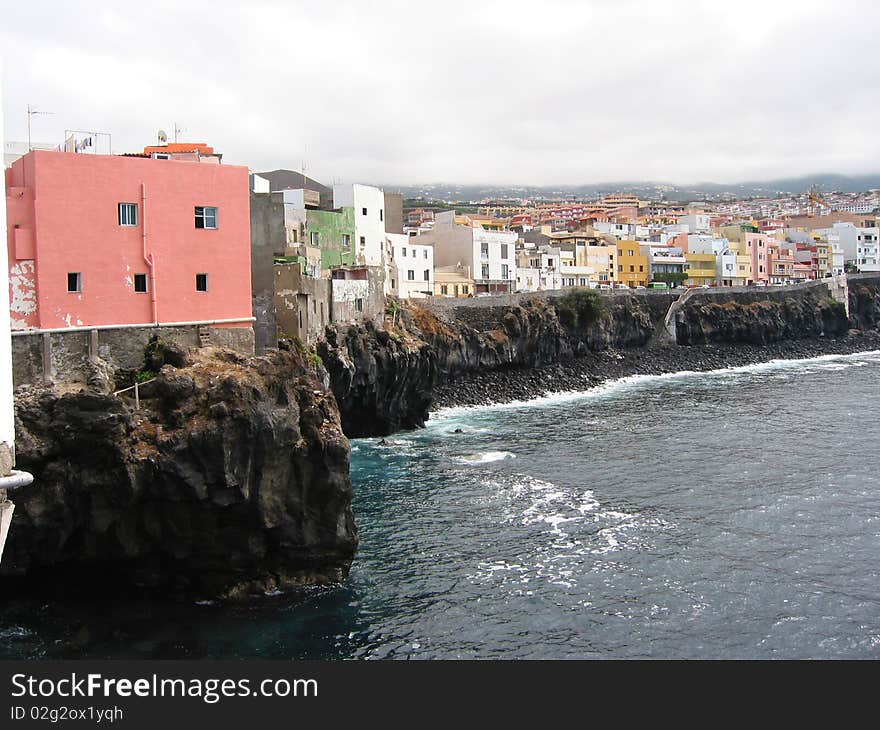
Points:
(544, 92)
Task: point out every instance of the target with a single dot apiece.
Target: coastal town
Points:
(171, 235)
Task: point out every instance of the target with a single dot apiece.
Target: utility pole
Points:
(31, 112)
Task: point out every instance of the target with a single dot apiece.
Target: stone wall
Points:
(69, 357)
(356, 301)
(268, 237)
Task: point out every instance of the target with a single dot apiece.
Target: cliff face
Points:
(232, 478)
(384, 379)
(864, 302)
(759, 318)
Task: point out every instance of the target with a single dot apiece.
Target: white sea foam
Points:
(486, 457)
(613, 387)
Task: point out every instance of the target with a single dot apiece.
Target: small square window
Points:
(74, 282)
(140, 282)
(363, 241)
(206, 217)
(364, 211)
(359, 305)
(128, 214)
(313, 238)
(201, 282)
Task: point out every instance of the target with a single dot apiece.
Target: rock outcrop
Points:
(232, 478)
(864, 301)
(758, 318)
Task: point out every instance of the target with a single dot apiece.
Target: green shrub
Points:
(580, 307)
(144, 375)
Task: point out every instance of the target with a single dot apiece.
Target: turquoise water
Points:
(725, 514)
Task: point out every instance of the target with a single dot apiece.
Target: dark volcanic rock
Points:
(382, 382)
(233, 478)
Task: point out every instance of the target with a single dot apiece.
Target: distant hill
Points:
(827, 182)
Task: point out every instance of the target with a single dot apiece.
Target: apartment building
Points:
(489, 255)
(633, 268)
(138, 239)
(412, 266)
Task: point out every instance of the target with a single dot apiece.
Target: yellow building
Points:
(453, 281)
(632, 265)
(702, 268)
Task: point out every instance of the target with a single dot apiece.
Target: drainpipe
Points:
(148, 258)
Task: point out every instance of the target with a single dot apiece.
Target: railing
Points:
(136, 389)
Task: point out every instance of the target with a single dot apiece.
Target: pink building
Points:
(106, 240)
(760, 248)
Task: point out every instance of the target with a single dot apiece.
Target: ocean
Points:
(727, 514)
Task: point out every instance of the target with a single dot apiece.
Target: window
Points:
(363, 241)
(504, 250)
(74, 282)
(201, 282)
(632, 269)
(504, 271)
(425, 252)
(403, 252)
(128, 214)
(484, 271)
(206, 217)
(346, 240)
(464, 289)
(313, 238)
(381, 214)
(484, 249)
(427, 275)
(161, 156)
(140, 282)
(410, 275)
(444, 289)
(359, 305)
(364, 211)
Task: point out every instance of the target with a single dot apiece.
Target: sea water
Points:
(734, 513)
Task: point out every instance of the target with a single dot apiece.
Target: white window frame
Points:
(127, 214)
(209, 213)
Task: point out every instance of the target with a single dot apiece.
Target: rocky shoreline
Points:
(505, 385)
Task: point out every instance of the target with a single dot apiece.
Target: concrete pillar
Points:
(93, 345)
(47, 357)
(838, 287)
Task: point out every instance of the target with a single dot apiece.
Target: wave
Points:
(828, 362)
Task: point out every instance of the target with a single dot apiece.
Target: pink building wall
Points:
(63, 218)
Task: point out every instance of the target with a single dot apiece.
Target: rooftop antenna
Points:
(31, 112)
(177, 130)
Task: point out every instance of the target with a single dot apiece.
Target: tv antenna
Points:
(177, 130)
(30, 113)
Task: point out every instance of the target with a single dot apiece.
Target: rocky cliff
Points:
(231, 478)
(387, 379)
(864, 301)
(759, 317)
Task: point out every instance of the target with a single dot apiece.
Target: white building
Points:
(369, 220)
(412, 265)
(490, 255)
(543, 259)
(860, 245)
(696, 222)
